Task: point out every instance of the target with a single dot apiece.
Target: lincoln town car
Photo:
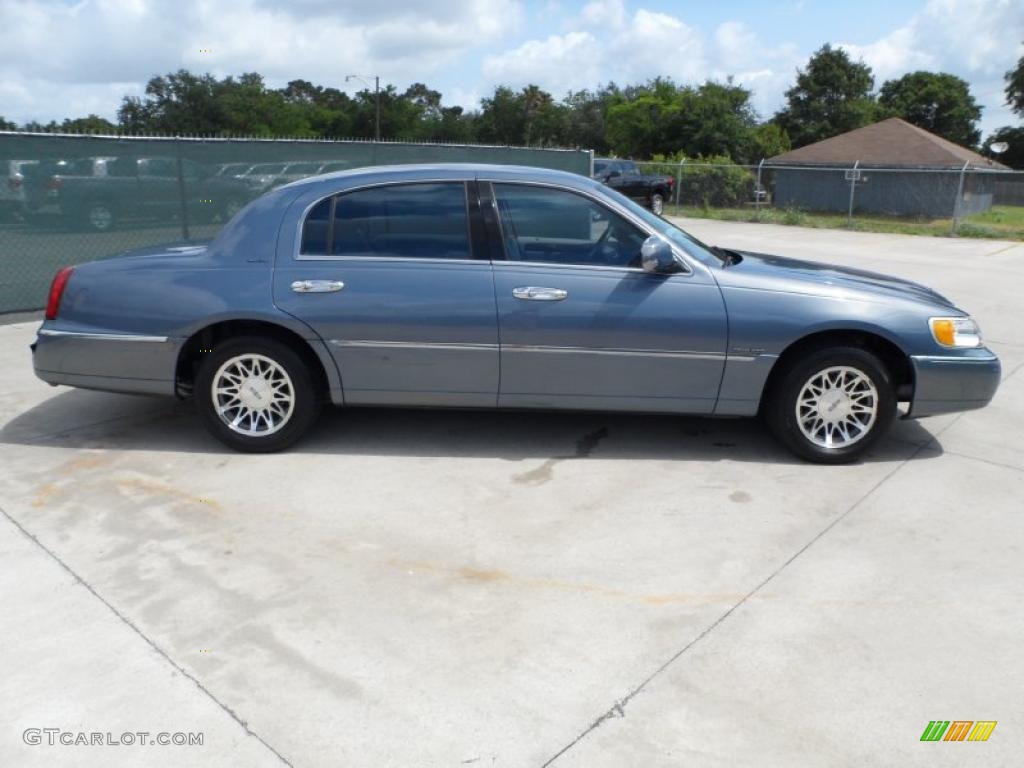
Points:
(482, 286)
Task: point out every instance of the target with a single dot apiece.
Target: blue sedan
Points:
(478, 286)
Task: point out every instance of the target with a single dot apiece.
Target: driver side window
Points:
(555, 226)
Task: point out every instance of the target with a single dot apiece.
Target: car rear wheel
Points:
(256, 394)
(657, 203)
(99, 216)
(832, 405)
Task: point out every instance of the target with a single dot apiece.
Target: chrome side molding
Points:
(101, 336)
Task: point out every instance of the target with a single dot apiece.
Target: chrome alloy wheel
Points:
(100, 217)
(837, 407)
(253, 395)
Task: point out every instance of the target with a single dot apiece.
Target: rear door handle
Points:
(534, 293)
(317, 286)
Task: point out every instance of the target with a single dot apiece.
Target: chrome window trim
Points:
(412, 259)
(639, 223)
(102, 336)
(297, 254)
(535, 264)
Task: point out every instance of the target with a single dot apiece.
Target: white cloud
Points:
(51, 50)
(598, 12)
(69, 57)
(647, 45)
(977, 40)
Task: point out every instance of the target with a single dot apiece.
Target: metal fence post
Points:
(679, 181)
(757, 189)
(853, 186)
(959, 195)
(181, 191)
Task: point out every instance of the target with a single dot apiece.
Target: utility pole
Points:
(376, 93)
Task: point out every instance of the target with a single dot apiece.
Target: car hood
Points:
(811, 276)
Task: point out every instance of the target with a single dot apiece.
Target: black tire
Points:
(780, 408)
(97, 216)
(657, 203)
(306, 395)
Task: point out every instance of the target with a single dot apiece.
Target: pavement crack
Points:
(618, 708)
(151, 643)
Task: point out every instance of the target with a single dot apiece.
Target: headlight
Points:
(955, 331)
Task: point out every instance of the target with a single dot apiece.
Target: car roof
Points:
(421, 171)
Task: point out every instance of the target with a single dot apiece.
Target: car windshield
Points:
(664, 227)
(600, 167)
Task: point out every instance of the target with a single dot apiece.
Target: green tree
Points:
(328, 111)
(90, 124)
(7, 125)
(177, 103)
(936, 101)
(831, 96)
(249, 107)
(1015, 87)
(638, 125)
(770, 140)
(34, 126)
(1013, 137)
(587, 122)
(714, 119)
(528, 118)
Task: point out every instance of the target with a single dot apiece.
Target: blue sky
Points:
(62, 58)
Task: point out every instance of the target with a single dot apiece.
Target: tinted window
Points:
(554, 226)
(404, 220)
(314, 231)
(600, 167)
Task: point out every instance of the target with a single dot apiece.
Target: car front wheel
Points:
(256, 394)
(831, 406)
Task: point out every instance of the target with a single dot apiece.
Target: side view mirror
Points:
(657, 256)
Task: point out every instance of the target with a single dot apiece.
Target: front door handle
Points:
(534, 293)
(317, 286)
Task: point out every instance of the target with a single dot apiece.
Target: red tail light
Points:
(14, 182)
(55, 182)
(60, 281)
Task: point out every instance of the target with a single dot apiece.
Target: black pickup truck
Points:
(623, 176)
(99, 193)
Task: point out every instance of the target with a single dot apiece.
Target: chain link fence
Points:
(964, 201)
(67, 199)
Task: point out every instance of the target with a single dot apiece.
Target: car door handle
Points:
(533, 293)
(317, 286)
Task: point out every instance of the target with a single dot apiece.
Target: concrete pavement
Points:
(444, 588)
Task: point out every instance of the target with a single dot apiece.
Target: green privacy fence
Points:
(67, 199)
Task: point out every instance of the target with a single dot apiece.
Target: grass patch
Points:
(1002, 221)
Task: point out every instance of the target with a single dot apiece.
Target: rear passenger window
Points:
(314, 231)
(426, 221)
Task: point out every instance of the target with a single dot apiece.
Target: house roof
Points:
(892, 143)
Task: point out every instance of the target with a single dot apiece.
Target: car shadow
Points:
(94, 420)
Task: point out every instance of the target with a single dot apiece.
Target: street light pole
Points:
(376, 93)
